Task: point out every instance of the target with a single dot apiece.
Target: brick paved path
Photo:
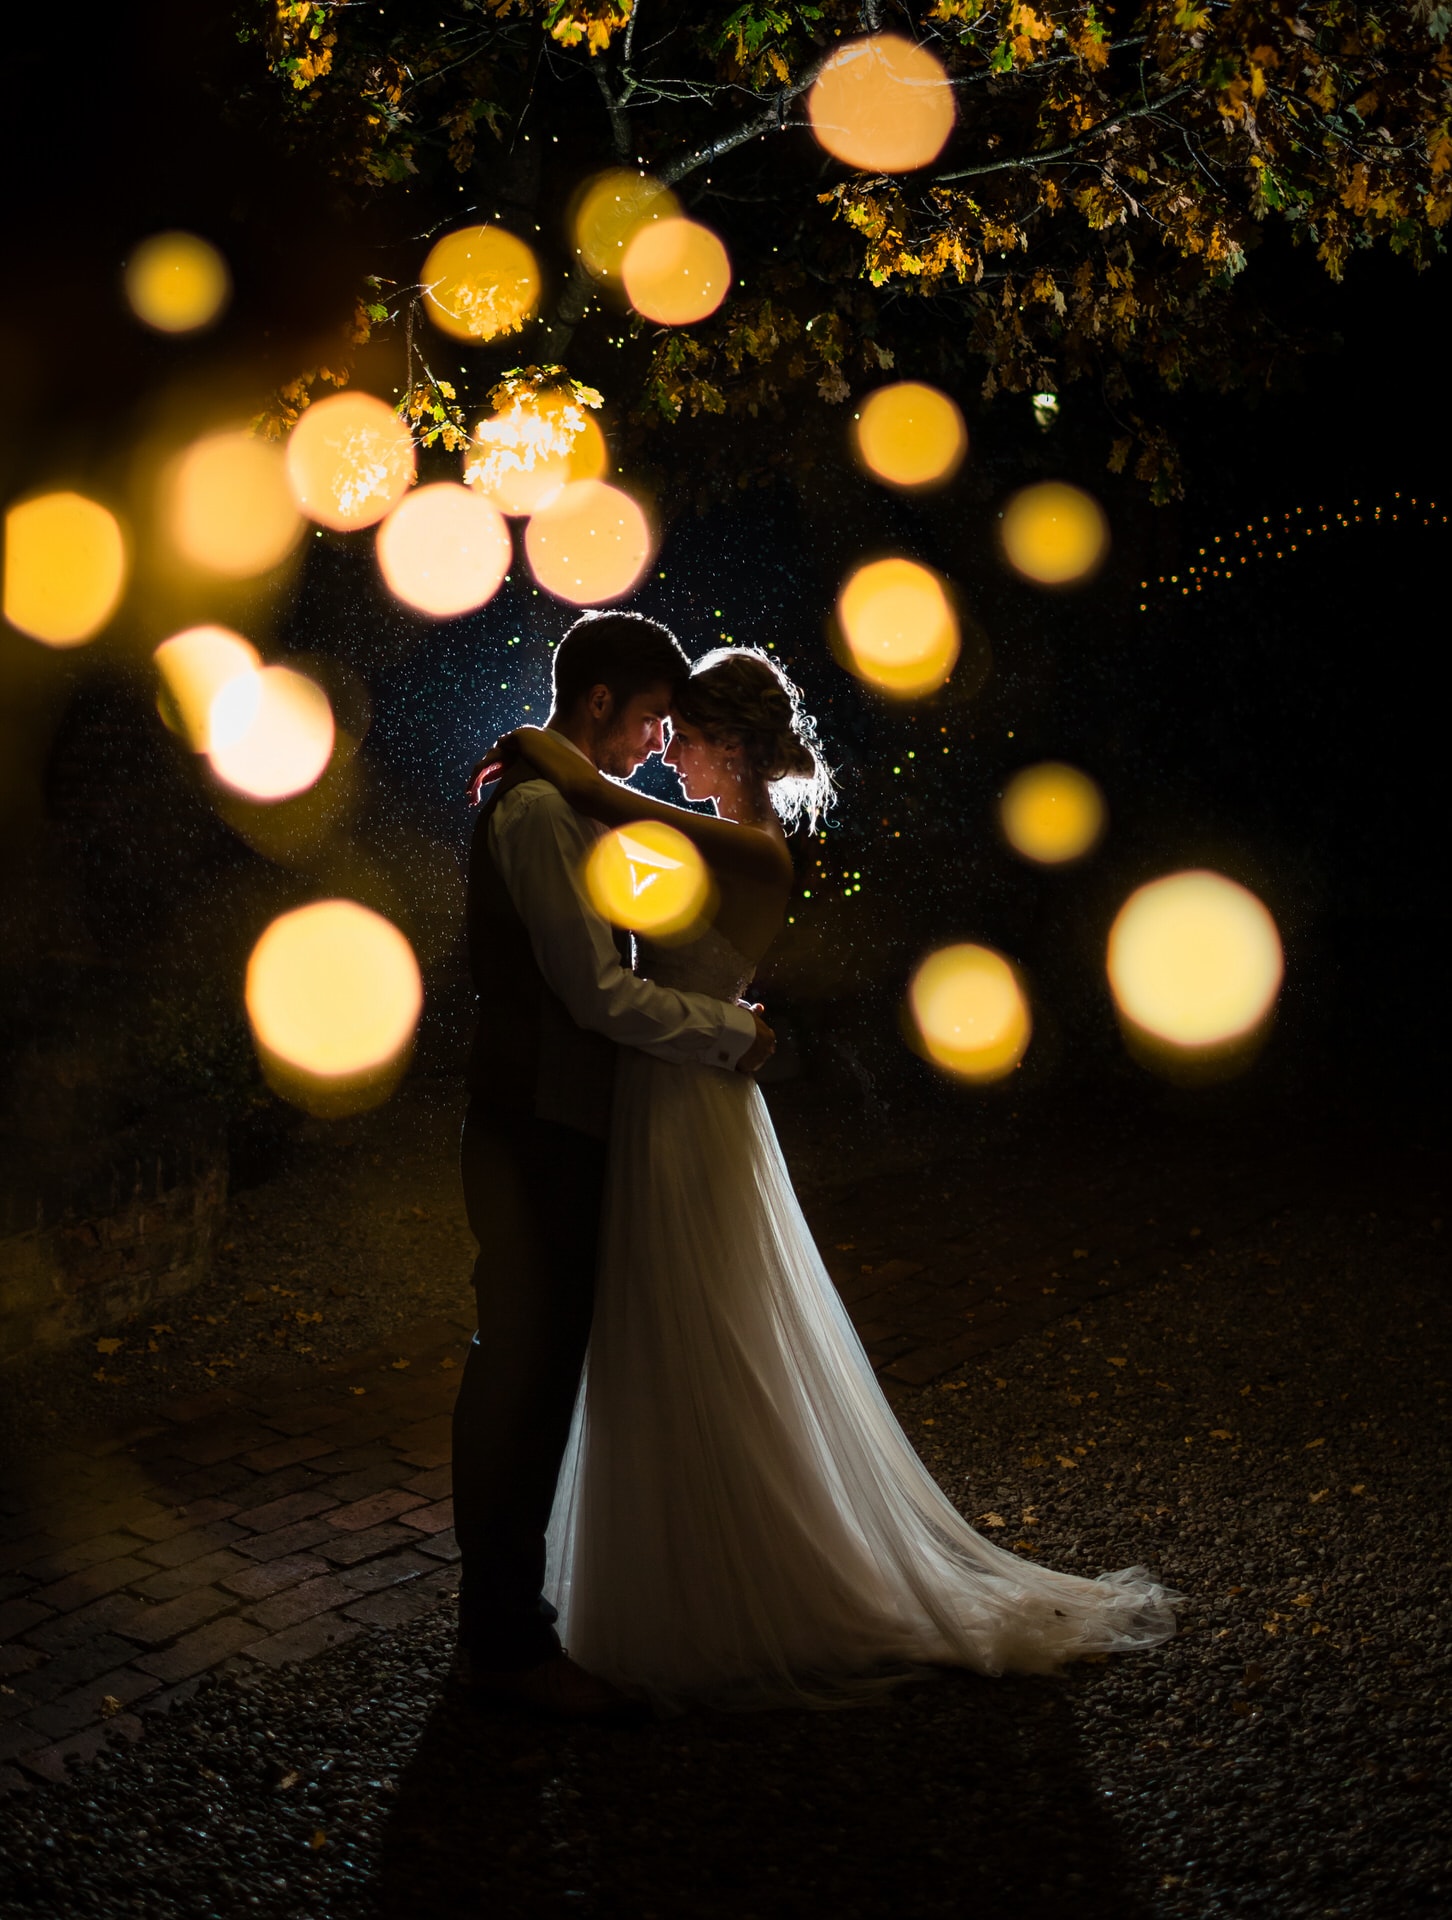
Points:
(234, 1531)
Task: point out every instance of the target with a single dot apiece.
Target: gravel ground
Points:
(1265, 1427)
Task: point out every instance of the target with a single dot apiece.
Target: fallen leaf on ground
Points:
(398, 1366)
(991, 1520)
(357, 1389)
(1065, 1461)
(1317, 1498)
(447, 1362)
(319, 1839)
(289, 1779)
(109, 1705)
(1220, 1433)
(1116, 1363)
(1314, 1443)
(109, 1345)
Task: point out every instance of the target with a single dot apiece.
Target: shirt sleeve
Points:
(539, 843)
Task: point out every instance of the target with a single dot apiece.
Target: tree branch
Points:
(619, 125)
(1111, 124)
(1039, 66)
(766, 122)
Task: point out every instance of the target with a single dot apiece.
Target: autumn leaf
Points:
(109, 1345)
(991, 1520)
(400, 1365)
(319, 1839)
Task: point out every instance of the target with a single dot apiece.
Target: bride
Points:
(740, 1520)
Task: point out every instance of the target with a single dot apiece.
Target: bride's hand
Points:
(554, 759)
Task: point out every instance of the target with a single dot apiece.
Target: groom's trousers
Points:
(533, 1191)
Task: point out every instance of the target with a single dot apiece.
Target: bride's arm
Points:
(725, 844)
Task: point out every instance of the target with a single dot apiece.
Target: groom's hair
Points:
(626, 652)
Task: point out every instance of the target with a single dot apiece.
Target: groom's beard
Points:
(618, 760)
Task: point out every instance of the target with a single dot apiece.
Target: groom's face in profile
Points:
(628, 734)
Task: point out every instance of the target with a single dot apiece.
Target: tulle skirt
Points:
(740, 1520)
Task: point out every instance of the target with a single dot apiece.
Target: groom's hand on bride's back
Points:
(761, 1048)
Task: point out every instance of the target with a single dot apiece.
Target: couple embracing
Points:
(670, 1450)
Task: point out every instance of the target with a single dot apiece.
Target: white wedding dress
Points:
(740, 1520)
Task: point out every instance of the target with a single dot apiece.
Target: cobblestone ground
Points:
(1165, 1341)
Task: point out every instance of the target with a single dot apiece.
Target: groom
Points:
(556, 998)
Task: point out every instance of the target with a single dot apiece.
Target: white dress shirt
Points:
(539, 844)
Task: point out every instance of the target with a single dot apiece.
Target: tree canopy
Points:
(1094, 216)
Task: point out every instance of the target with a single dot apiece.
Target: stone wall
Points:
(84, 1245)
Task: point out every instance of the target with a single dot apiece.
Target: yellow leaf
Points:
(1317, 1498)
(399, 1366)
(1116, 1363)
(992, 1520)
(1220, 1433)
(1314, 1443)
(319, 1839)
(109, 1705)
(109, 1346)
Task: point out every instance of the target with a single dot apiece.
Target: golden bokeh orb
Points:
(970, 1012)
(177, 282)
(350, 460)
(1054, 533)
(333, 989)
(899, 627)
(910, 435)
(611, 211)
(525, 456)
(675, 271)
(444, 550)
(65, 568)
(269, 733)
(480, 283)
(229, 506)
(592, 543)
(882, 104)
(650, 878)
(193, 667)
(1051, 813)
(1195, 959)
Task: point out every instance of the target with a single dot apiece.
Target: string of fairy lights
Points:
(1276, 537)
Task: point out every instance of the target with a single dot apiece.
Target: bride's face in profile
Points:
(701, 765)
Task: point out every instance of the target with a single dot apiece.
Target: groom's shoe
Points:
(556, 1687)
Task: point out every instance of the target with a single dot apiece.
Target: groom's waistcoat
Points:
(527, 1052)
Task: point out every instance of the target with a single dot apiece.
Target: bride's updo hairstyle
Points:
(740, 694)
